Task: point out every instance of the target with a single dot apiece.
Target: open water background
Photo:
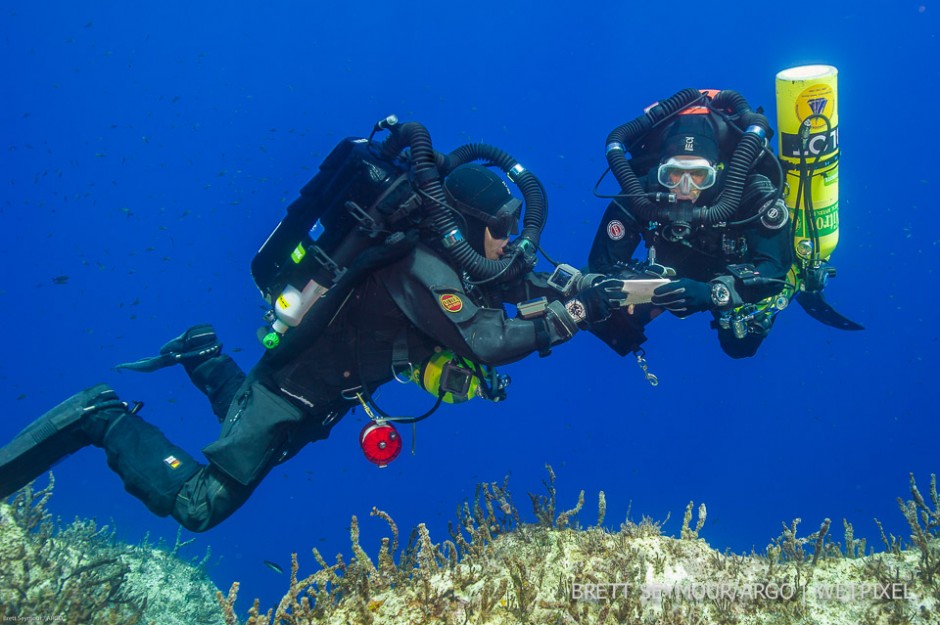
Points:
(149, 148)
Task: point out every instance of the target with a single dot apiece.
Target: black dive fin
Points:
(149, 365)
(819, 309)
(155, 363)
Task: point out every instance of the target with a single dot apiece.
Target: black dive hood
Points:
(755, 128)
(428, 169)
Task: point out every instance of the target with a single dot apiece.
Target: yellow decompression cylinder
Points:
(808, 123)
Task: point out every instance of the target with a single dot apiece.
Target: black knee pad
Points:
(151, 467)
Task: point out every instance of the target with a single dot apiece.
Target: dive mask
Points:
(506, 220)
(686, 174)
(503, 223)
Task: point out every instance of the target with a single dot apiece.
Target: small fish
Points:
(273, 566)
(60, 280)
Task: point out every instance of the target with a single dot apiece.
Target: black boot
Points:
(219, 378)
(79, 421)
(192, 348)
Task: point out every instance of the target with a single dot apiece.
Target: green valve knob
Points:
(271, 340)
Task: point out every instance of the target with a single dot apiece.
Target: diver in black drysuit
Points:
(399, 315)
(700, 255)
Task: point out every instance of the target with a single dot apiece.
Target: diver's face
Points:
(687, 184)
(493, 248)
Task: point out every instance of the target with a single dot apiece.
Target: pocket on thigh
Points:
(253, 434)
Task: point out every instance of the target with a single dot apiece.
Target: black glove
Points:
(683, 297)
(595, 303)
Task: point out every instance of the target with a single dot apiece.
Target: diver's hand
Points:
(683, 297)
(595, 303)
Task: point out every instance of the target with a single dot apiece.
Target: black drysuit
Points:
(400, 314)
(703, 255)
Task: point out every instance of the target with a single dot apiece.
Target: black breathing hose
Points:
(536, 207)
(627, 134)
(428, 166)
(756, 128)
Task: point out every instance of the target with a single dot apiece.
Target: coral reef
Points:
(79, 574)
(495, 569)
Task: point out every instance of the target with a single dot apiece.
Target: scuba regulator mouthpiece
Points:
(656, 196)
(525, 248)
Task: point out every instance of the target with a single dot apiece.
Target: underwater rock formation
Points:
(498, 570)
(494, 569)
(80, 574)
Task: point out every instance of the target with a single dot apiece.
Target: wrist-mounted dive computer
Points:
(721, 294)
(576, 310)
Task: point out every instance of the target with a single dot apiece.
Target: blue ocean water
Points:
(149, 151)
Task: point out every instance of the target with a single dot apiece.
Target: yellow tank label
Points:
(824, 191)
(799, 98)
(819, 99)
(821, 144)
(825, 217)
(282, 302)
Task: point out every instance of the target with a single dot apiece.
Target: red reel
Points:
(380, 442)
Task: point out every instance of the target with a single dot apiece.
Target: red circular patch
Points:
(615, 230)
(451, 303)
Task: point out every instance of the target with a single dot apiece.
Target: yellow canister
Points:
(808, 124)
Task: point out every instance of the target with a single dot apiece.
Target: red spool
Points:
(380, 442)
